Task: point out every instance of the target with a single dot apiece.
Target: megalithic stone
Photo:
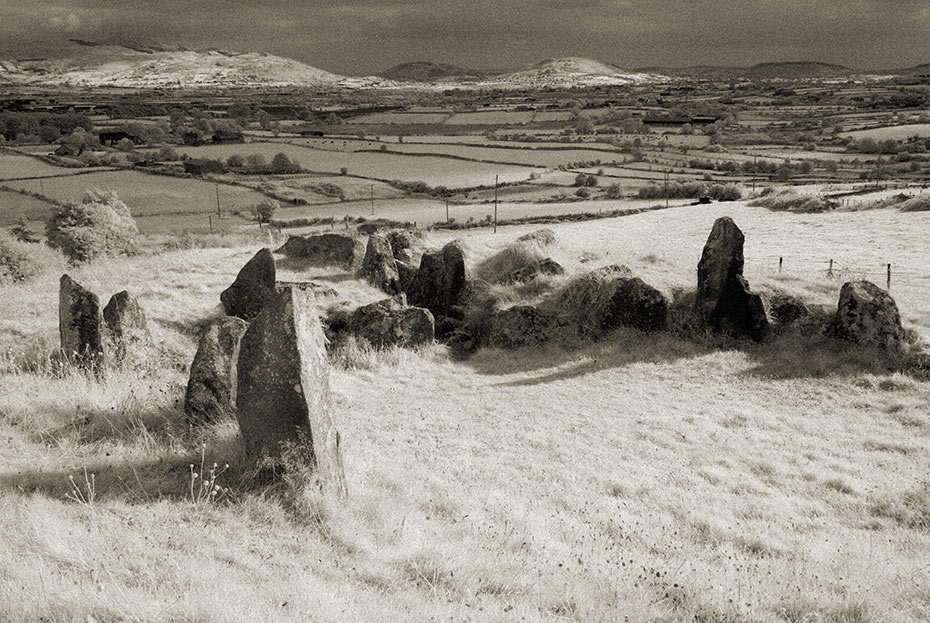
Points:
(283, 391)
(253, 287)
(80, 324)
(211, 388)
(127, 328)
(724, 301)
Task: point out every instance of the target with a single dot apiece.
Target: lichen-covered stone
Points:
(379, 268)
(867, 315)
(636, 304)
(522, 325)
(724, 301)
(80, 324)
(392, 322)
(128, 336)
(254, 286)
(283, 388)
(211, 388)
(329, 249)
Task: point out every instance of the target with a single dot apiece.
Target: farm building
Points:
(201, 166)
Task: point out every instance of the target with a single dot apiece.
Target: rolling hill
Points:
(566, 73)
(423, 71)
(89, 64)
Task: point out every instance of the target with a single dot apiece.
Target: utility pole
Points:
(41, 186)
(218, 213)
(447, 209)
(666, 188)
(372, 189)
(753, 174)
(495, 203)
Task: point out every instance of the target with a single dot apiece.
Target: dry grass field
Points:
(642, 478)
(434, 170)
(147, 194)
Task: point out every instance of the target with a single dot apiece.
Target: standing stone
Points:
(439, 283)
(636, 304)
(127, 328)
(283, 393)
(211, 389)
(253, 287)
(379, 267)
(867, 315)
(80, 324)
(453, 258)
(723, 300)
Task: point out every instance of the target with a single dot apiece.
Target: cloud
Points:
(69, 23)
(361, 36)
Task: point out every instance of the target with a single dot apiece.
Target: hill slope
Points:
(88, 64)
(566, 73)
(421, 71)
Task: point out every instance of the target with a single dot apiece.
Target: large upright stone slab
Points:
(254, 286)
(127, 328)
(723, 301)
(439, 283)
(283, 390)
(867, 315)
(80, 324)
(211, 388)
(379, 267)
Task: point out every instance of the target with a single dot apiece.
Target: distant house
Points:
(201, 166)
(228, 136)
(69, 150)
(112, 137)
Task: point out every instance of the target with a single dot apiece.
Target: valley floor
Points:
(640, 478)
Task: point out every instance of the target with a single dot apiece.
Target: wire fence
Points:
(886, 274)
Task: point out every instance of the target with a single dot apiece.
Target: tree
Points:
(100, 225)
(255, 163)
(264, 210)
(235, 161)
(282, 164)
(613, 191)
(239, 111)
(264, 119)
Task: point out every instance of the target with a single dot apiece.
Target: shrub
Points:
(235, 161)
(584, 193)
(499, 267)
(21, 261)
(100, 225)
(264, 210)
(613, 191)
(920, 203)
(167, 154)
(282, 164)
(728, 192)
(793, 202)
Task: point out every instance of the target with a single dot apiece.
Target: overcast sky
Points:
(365, 36)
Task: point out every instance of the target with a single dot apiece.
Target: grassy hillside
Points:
(640, 478)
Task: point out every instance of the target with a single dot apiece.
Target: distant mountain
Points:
(89, 64)
(917, 70)
(798, 70)
(421, 71)
(560, 73)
